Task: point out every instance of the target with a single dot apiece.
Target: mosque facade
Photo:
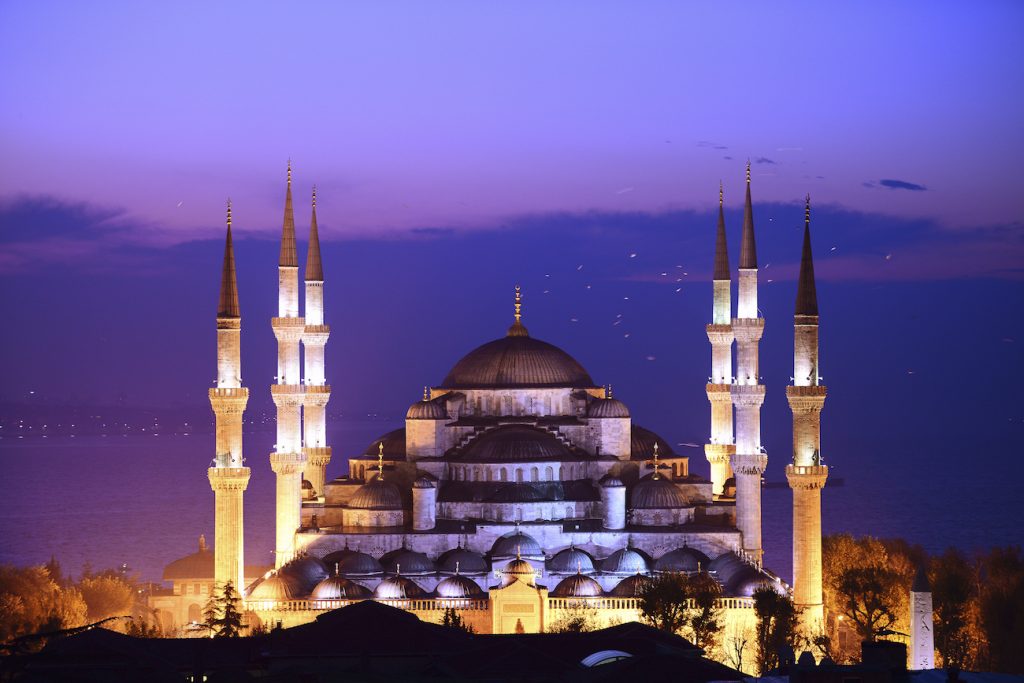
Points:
(519, 490)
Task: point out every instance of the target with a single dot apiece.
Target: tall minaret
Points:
(318, 392)
(288, 461)
(922, 623)
(806, 475)
(228, 477)
(721, 447)
(749, 460)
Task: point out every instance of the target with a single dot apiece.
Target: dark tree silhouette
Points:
(776, 627)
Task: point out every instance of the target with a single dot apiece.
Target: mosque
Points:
(519, 491)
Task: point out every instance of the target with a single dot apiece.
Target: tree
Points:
(776, 627)
(31, 602)
(578, 619)
(142, 626)
(1001, 610)
(705, 619)
(870, 598)
(952, 581)
(229, 622)
(736, 644)
(107, 595)
(663, 601)
(453, 619)
(211, 614)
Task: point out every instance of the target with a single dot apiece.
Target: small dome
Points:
(518, 570)
(408, 562)
(577, 586)
(462, 561)
(356, 563)
(458, 586)
(607, 407)
(516, 543)
(725, 566)
(513, 443)
(340, 588)
(570, 561)
(427, 410)
(656, 494)
(625, 562)
(630, 587)
(424, 482)
(748, 579)
(277, 587)
(610, 482)
(377, 494)
(394, 446)
(398, 588)
(306, 571)
(642, 442)
(683, 559)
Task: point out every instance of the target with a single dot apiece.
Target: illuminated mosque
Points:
(520, 490)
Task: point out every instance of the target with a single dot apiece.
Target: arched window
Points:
(519, 474)
(549, 473)
(604, 657)
(195, 613)
(504, 474)
(534, 474)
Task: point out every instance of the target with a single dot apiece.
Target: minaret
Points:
(288, 460)
(806, 475)
(318, 392)
(721, 447)
(749, 460)
(228, 476)
(922, 623)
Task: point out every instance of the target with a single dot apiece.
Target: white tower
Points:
(749, 460)
(228, 476)
(807, 475)
(318, 392)
(288, 461)
(922, 636)
(721, 446)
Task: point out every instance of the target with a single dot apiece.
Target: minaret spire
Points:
(314, 267)
(807, 474)
(228, 307)
(720, 448)
(289, 254)
(748, 247)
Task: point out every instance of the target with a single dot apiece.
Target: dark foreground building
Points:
(369, 641)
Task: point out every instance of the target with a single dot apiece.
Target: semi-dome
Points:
(611, 482)
(377, 494)
(340, 588)
(516, 543)
(630, 587)
(518, 570)
(571, 561)
(357, 563)
(394, 446)
(652, 493)
(683, 559)
(625, 561)
(424, 482)
(517, 361)
(404, 561)
(306, 571)
(641, 444)
(427, 410)
(277, 587)
(458, 586)
(514, 443)
(607, 407)
(398, 588)
(577, 586)
(463, 561)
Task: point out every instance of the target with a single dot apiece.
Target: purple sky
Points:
(412, 115)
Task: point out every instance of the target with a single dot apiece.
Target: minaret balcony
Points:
(806, 476)
(806, 399)
(229, 392)
(228, 478)
(719, 392)
(316, 335)
(747, 330)
(720, 334)
(747, 395)
(288, 329)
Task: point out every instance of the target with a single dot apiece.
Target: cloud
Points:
(712, 145)
(763, 160)
(901, 185)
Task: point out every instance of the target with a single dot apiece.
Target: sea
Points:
(143, 500)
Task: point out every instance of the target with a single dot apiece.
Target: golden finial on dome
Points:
(518, 329)
(519, 548)
(380, 460)
(519, 304)
(655, 475)
(426, 393)
(608, 392)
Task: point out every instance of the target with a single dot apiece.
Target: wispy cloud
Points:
(896, 185)
(764, 160)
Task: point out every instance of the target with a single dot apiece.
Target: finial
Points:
(456, 567)
(721, 194)
(807, 210)
(748, 171)
(289, 171)
(655, 461)
(380, 461)
(202, 542)
(336, 569)
(398, 569)
(519, 548)
(314, 196)
(229, 213)
(519, 303)
(608, 392)
(426, 393)
(579, 567)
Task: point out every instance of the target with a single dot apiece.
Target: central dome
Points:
(517, 361)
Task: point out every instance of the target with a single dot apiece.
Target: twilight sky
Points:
(575, 148)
